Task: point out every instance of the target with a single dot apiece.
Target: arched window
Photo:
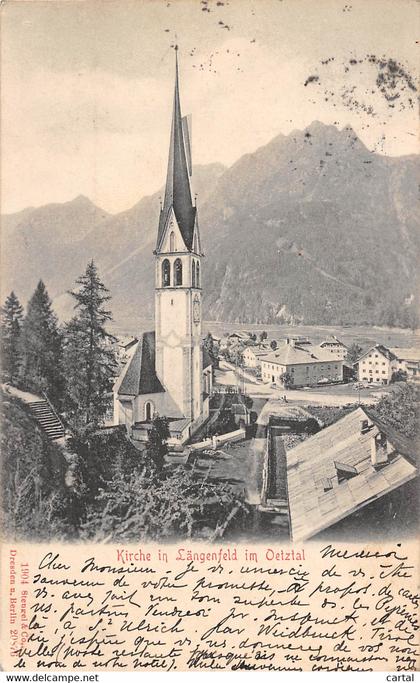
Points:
(166, 273)
(197, 275)
(178, 272)
(148, 411)
(172, 242)
(193, 274)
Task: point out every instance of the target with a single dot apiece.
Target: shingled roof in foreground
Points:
(331, 475)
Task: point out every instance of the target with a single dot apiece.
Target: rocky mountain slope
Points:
(310, 228)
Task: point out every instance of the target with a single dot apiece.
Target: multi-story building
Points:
(253, 355)
(376, 365)
(304, 366)
(408, 361)
(335, 347)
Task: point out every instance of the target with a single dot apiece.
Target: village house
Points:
(124, 346)
(303, 366)
(239, 337)
(253, 355)
(408, 361)
(376, 365)
(343, 468)
(335, 347)
(299, 341)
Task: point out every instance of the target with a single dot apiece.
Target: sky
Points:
(87, 86)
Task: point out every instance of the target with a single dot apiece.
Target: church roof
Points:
(140, 374)
(178, 189)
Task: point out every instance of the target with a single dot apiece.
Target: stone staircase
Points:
(48, 420)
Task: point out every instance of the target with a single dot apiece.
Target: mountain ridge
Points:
(311, 227)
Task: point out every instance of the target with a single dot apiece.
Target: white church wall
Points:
(161, 405)
(197, 380)
(123, 411)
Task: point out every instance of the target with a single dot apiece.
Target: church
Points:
(169, 372)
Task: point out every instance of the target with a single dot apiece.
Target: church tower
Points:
(178, 275)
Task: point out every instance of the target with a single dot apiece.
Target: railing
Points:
(226, 389)
(53, 410)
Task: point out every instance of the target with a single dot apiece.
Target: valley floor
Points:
(363, 334)
(328, 395)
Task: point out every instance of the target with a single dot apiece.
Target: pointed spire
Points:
(178, 190)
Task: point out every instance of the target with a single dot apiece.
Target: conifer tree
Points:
(40, 347)
(157, 447)
(89, 356)
(10, 327)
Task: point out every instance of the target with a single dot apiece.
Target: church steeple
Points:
(178, 188)
(178, 278)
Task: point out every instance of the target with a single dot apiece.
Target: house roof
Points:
(257, 351)
(126, 341)
(239, 335)
(332, 340)
(178, 189)
(316, 499)
(179, 425)
(380, 348)
(139, 375)
(288, 354)
(412, 354)
(326, 353)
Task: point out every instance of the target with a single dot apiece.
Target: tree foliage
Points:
(180, 503)
(127, 494)
(212, 349)
(157, 445)
(286, 379)
(354, 352)
(398, 376)
(40, 347)
(236, 354)
(89, 356)
(10, 327)
(209, 343)
(101, 456)
(400, 409)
